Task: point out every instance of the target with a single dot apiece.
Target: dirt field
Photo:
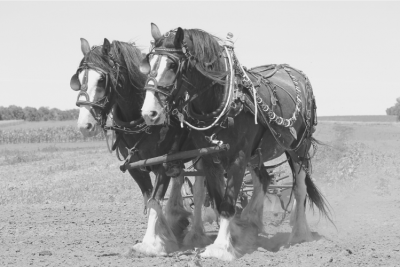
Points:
(69, 205)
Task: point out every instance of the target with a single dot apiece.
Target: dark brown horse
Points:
(261, 113)
(109, 81)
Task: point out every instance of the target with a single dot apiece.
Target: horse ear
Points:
(155, 32)
(179, 37)
(106, 47)
(85, 47)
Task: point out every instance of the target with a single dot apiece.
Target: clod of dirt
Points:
(183, 257)
(45, 253)
(194, 263)
(261, 249)
(108, 255)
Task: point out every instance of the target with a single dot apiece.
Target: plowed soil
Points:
(69, 205)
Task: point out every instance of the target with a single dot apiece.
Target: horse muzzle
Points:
(152, 117)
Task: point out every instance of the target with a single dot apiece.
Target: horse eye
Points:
(100, 90)
(173, 65)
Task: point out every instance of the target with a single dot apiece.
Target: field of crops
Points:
(42, 132)
(20, 132)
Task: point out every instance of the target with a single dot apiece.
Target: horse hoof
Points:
(196, 240)
(219, 252)
(152, 250)
(300, 237)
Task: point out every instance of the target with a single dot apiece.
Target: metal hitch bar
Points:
(177, 156)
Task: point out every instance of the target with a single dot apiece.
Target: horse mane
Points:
(132, 56)
(128, 56)
(207, 61)
(206, 52)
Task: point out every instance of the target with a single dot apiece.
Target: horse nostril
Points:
(153, 114)
(88, 126)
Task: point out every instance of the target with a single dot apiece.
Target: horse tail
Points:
(318, 142)
(315, 196)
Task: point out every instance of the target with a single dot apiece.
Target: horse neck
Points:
(129, 106)
(210, 100)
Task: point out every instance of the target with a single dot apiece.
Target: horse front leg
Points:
(196, 237)
(235, 237)
(177, 216)
(144, 182)
(159, 240)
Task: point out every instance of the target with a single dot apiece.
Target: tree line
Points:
(41, 114)
(394, 110)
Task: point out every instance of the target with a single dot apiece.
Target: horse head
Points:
(180, 63)
(107, 75)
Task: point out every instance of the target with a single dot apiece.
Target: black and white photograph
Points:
(200, 133)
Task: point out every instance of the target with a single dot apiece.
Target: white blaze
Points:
(85, 116)
(152, 111)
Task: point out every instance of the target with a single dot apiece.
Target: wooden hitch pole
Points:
(180, 155)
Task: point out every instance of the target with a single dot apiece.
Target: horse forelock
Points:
(128, 56)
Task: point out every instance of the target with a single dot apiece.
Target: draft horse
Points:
(109, 82)
(261, 113)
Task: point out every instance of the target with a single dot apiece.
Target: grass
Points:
(34, 124)
(87, 173)
(358, 157)
(9, 123)
(57, 174)
(360, 118)
(21, 157)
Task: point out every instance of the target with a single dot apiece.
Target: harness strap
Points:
(250, 107)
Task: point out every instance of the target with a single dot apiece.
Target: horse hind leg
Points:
(253, 212)
(300, 231)
(176, 215)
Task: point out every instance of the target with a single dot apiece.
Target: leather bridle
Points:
(103, 104)
(168, 90)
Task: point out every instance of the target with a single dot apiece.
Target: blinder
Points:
(75, 83)
(145, 65)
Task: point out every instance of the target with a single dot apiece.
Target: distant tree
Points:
(44, 113)
(394, 110)
(16, 112)
(31, 114)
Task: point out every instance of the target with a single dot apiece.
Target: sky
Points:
(349, 50)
